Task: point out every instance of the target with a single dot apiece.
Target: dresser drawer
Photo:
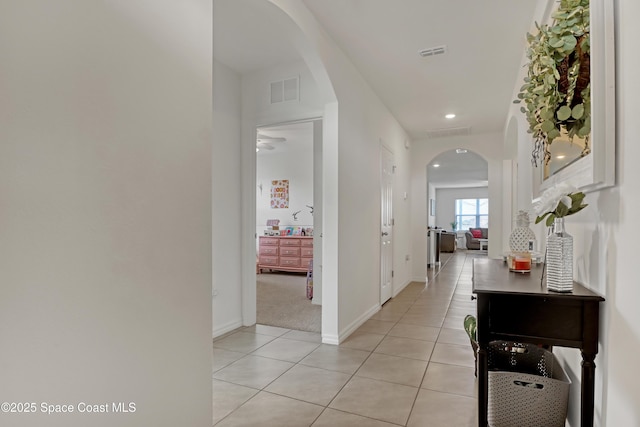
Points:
(269, 250)
(289, 242)
(289, 251)
(304, 262)
(306, 252)
(268, 260)
(268, 241)
(306, 242)
(289, 262)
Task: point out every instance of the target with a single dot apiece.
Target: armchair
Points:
(447, 242)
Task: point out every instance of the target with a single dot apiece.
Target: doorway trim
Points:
(249, 293)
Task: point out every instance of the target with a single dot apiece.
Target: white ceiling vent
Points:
(443, 133)
(438, 50)
(285, 90)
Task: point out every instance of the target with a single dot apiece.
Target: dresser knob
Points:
(472, 297)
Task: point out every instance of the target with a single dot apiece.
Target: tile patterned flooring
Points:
(411, 364)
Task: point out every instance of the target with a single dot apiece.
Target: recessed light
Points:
(560, 157)
(450, 116)
(436, 165)
(461, 150)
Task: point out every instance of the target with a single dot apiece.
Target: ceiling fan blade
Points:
(264, 145)
(267, 138)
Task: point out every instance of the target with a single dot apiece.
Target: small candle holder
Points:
(519, 262)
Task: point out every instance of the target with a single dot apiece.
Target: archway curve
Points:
(454, 172)
(307, 37)
(489, 147)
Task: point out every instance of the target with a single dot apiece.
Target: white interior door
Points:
(386, 225)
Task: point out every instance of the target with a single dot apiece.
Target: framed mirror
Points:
(594, 168)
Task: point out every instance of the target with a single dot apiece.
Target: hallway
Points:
(411, 364)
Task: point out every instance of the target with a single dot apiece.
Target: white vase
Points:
(559, 258)
(522, 234)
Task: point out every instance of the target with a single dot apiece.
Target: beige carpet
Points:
(282, 301)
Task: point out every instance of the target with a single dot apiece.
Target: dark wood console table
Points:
(515, 306)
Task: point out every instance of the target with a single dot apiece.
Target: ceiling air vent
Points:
(285, 90)
(443, 133)
(438, 50)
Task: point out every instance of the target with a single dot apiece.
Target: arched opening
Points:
(458, 194)
(264, 44)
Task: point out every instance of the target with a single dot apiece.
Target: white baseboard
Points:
(228, 327)
(401, 288)
(422, 279)
(330, 339)
(356, 324)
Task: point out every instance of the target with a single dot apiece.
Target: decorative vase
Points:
(559, 258)
(522, 234)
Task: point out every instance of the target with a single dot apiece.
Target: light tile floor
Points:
(411, 364)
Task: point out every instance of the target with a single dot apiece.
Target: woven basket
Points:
(527, 387)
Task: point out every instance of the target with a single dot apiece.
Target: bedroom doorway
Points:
(288, 225)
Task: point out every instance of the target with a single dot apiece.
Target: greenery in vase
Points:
(558, 202)
(557, 89)
(453, 225)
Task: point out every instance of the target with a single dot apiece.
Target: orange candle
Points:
(523, 264)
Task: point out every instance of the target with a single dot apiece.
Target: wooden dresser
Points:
(285, 253)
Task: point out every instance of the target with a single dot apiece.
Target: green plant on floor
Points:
(470, 326)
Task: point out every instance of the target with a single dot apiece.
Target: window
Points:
(472, 213)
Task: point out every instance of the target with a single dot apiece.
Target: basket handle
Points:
(527, 384)
(514, 349)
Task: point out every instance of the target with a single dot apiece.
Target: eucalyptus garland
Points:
(557, 89)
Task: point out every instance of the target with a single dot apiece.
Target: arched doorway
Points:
(262, 39)
(458, 192)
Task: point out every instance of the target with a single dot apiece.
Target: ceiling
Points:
(298, 137)
(474, 79)
(458, 170)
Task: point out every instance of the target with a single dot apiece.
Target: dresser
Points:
(285, 253)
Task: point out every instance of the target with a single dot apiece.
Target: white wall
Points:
(490, 147)
(431, 195)
(605, 247)
(227, 290)
(364, 125)
(446, 202)
(257, 109)
(105, 194)
(297, 167)
(611, 236)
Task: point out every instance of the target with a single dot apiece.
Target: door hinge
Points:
(393, 221)
(391, 273)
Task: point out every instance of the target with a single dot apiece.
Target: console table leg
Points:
(587, 391)
(483, 384)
